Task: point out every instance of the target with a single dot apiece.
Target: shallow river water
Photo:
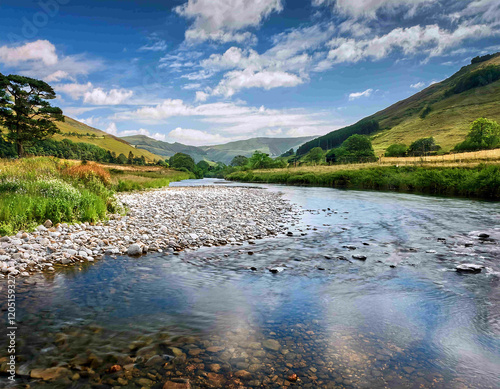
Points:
(220, 318)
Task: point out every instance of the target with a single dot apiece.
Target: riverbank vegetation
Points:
(482, 181)
(33, 190)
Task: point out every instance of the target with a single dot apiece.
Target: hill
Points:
(223, 153)
(80, 132)
(444, 110)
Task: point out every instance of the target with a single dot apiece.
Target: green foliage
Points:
(484, 135)
(476, 79)
(288, 153)
(424, 146)
(335, 138)
(239, 160)
(181, 160)
(396, 150)
(25, 111)
(482, 181)
(122, 159)
(426, 111)
(357, 148)
(316, 155)
(262, 161)
(484, 58)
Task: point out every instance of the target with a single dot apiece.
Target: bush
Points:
(396, 150)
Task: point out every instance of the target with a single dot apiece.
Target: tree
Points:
(396, 150)
(181, 160)
(260, 160)
(122, 159)
(288, 153)
(130, 160)
(25, 111)
(356, 148)
(423, 146)
(484, 134)
(239, 160)
(204, 166)
(316, 155)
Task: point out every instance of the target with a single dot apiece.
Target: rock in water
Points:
(469, 268)
(359, 257)
(134, 250)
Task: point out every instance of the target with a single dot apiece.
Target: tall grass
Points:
(33, 190)
(482, 181)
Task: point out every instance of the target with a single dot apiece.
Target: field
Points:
(33, 190)
(100, 138)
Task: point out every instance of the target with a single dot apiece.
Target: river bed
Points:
(305, 309)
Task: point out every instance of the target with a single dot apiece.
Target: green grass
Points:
(482, 181)
(33, 190)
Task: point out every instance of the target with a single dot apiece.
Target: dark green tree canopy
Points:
(181, 160)
(396, 150)
(25, 110)
(239, 160)
(357, 148)
(423, 146)
(316, 155)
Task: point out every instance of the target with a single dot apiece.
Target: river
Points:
(401, 318)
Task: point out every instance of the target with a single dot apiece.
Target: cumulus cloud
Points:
(74, 90)
(357, 95)
(431, 40)
(98, 96)
(94, 96)
(243, 79)
(40, 50)
(196, 137)
(39, 59)
(223, 20)
(231, 118)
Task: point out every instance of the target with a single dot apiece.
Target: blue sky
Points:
(211, 71)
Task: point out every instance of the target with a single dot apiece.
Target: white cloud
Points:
(74, 90)
(357, 95)
(196, 137)
(113, 130)
(242, 79)
(430, 40)
(58, 76)
(99, 96)
(201, 96)
(221, 20)
(418, 85)
(231, 118)
(155, 44)
(40, 50)
(486, 10)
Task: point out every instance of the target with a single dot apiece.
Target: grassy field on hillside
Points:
(482, 181)
(101, 139)
(33, 190)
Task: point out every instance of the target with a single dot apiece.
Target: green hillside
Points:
(79, 132)
(223, 153)
(444, 110)
(163, 148)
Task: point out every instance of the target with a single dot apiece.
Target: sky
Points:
(203, 72)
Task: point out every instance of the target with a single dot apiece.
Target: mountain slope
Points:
(79, 132)
(442, 110)
(163, 148)
(223, 153)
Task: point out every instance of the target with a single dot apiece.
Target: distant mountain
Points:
(220, 153)
(444, 110)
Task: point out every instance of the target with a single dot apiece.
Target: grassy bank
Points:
(33, 190)
(482, 181)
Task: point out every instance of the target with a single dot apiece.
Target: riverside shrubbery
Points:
(33, 190)
(482, 181)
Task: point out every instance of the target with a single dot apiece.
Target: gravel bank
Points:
(167, 220)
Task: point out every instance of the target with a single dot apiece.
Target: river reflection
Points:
(219, 317)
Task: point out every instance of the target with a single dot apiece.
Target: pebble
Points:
(166, 220)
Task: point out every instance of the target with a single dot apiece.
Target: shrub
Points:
(396, 150)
